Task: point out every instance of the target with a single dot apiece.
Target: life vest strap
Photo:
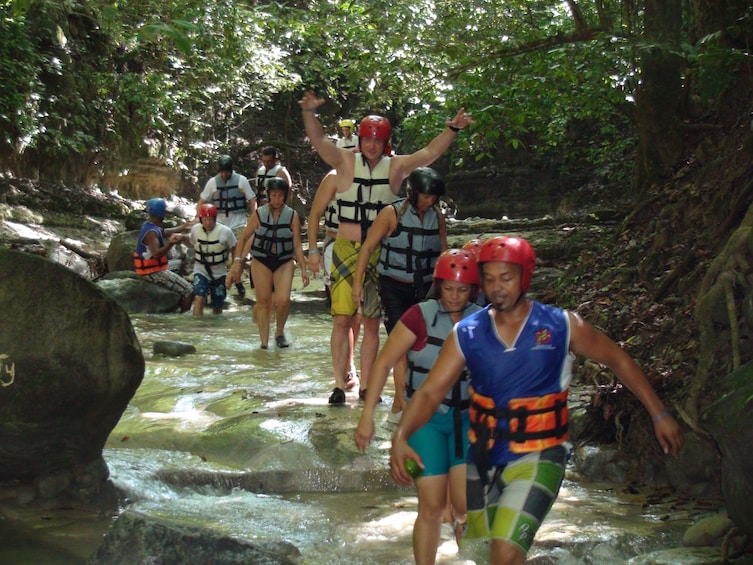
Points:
(533, 424)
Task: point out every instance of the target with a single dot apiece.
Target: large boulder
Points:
(70, 362)
(120, 252)
(137, 296)
(729, 420)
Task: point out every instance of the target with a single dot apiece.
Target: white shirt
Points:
(227, 237)
(348, 143)
(237, 219)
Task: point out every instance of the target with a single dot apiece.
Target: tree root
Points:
(733, 544)
(718, 288)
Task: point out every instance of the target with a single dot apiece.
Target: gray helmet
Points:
(278, 183)
(225, 163)
(424, 180)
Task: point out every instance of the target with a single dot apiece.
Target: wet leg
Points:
(369, 348)
(432, 499)
(339, 345)
(198, 305)
(283, 284)
(262, 310)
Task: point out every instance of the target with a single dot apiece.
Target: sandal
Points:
(459, 528)
(350, 381)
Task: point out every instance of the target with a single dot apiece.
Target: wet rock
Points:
(137, 296)
(69, 364)
(696, 471)
(120, 253)
(601, 463)
(708, 531)
(305, 480)
(173, 348)
(729, 420)
(680, 556)
(141, 539)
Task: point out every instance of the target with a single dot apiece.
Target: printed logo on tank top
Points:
(543, 339)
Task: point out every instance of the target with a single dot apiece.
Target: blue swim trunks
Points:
(202, 286)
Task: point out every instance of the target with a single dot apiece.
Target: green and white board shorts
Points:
(519, 495)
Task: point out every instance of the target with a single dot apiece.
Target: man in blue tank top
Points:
(519, 353)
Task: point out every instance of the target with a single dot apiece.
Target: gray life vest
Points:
(228, 196)
(439, 325)
(410, 252)
(274, 239)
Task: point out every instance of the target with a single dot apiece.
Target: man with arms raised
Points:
(367, 180)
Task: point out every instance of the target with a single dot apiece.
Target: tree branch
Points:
(536, 45)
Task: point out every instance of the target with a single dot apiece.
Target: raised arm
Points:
(403, 165)
(586, 340)
(334, 156)
(442, 230)
(324, 194)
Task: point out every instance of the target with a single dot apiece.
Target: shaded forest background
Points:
(644, 106)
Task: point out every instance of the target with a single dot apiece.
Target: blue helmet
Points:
(156, 207)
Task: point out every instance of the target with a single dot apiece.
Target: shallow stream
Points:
(242, 440)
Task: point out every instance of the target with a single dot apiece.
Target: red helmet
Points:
(457, 265)
(474, 246)
(207, 211)
(511, 250)
(378, 128)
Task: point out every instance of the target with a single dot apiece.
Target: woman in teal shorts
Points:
(441, 443)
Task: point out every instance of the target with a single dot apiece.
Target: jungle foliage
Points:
(89, 84)
(614, 92)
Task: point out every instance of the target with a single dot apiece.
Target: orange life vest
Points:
(534, 423)
(147, 266)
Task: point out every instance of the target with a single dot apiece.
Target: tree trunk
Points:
(659, 95)
(711, 16)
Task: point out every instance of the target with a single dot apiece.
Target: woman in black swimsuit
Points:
(274, 235)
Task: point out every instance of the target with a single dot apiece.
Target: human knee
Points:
(342, 323)
(264, 302)
(432, 510)
(370, 327)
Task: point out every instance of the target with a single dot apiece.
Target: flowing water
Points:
(242, 440)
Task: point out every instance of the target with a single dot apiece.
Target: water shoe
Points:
(281, 341)
(337, 397)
